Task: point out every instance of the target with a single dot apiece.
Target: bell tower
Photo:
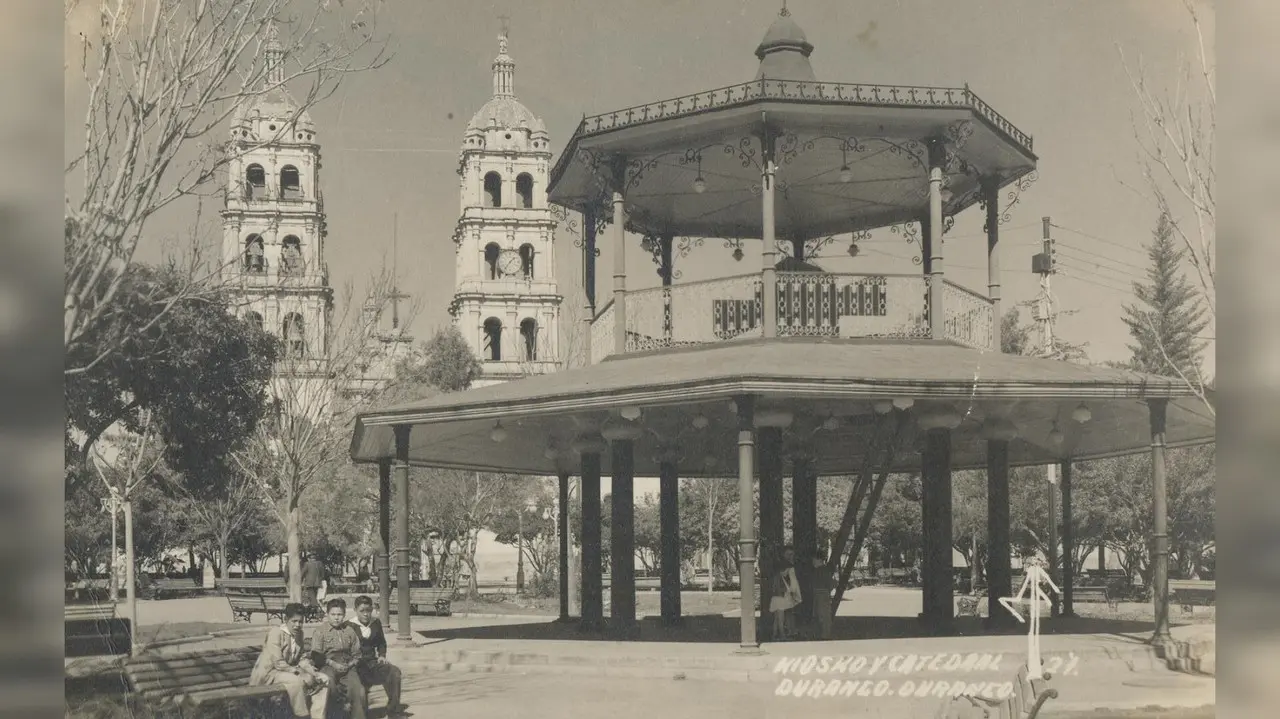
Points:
(506, 301)
(273, 225)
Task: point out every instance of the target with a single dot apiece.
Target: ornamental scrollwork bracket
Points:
(910, 232)
(1013, 195)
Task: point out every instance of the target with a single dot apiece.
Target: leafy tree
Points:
(896, 526)
(1029, 511)
(87, 534)
(1167, 322)
(1124, 484)
(969, 519)
(1015, 337)
(444, 363)
(187, 365)
(648, 533)
(528, 513)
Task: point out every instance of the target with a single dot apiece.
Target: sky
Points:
(390, 139)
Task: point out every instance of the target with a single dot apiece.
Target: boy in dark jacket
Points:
(373, 666)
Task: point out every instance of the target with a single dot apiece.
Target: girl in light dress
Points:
(785, 596)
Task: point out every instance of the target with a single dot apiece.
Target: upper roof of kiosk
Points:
(879, 133)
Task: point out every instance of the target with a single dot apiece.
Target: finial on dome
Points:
(784, 51)
(274, 53)
(504, 68)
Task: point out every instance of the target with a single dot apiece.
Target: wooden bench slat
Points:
(196, 671)
(195, 678)
(239, 693)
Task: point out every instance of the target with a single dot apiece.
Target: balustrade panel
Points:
(812, 304)
(968, 317)
(602, 334)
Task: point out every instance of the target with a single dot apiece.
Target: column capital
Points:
(618, 174)
(746, 405)
(401, 433)
(937, 151)
(1158, 410)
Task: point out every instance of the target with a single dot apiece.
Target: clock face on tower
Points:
(509, 263)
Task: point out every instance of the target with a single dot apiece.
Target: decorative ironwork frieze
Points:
(811, 92)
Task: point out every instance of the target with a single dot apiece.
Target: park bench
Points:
(245, 604)
(1027, 699)
(439, 597)
(1096, 594)
(347, 588)
(256, 585)
(202, 683)
(92, 630)
(968, 605)
(1190, 593)
(165, 585)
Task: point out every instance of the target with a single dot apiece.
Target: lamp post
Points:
(112, 504)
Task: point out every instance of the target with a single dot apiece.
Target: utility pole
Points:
(1045, 264)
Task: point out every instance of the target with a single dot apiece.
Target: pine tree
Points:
(1167, 322)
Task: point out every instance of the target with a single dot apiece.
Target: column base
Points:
(673, 621)
(750, 650)
(591, 626)
(999, 622)
(567, 620)
(625, 630)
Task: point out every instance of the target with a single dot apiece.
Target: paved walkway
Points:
(503, 666)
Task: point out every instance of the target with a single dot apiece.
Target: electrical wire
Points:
(1113, 243)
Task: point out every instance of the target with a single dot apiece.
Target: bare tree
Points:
(1175, 130)
(217, 519)
(160, 79)
(307, 433)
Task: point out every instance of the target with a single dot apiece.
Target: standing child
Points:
(785, 596)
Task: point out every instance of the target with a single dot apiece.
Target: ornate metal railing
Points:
(824, 304)
(602, 333)
(693, 313)
(969, 316)
(796, 91)
(809, 304)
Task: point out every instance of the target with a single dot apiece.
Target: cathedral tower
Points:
(506, 301)
(274, 227)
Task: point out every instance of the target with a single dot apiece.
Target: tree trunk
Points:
(226, 563)
(974, 573)
(294, 543)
